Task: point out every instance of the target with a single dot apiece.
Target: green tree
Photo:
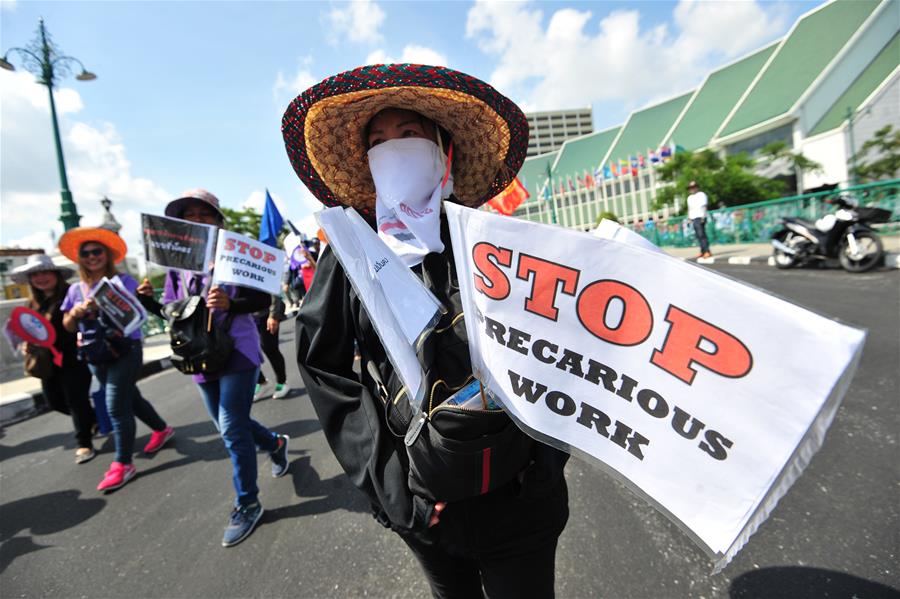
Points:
(779, 150)
(729, 181)
(607, 215)
(245, 222)
(879, 157)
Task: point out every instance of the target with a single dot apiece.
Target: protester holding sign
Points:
(228, 394)
(394, 142)
(65, 387)
(115, 359)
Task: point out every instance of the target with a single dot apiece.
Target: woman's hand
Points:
(83, 309)
(272, 325)
(145, 288)
(436, 515)
(217, 299)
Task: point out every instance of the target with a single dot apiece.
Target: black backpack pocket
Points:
(460, 453)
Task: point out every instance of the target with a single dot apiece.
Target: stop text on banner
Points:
(242, 260)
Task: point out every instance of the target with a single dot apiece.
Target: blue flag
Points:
(271, 223)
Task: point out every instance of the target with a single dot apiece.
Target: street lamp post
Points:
(44, 60)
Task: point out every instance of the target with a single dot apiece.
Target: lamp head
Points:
(84, 76)
(4, 64)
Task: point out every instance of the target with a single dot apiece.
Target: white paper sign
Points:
(706, 396)
(398, 304)
(120, 307)
(241, 260)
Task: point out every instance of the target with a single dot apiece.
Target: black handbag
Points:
(198, 347)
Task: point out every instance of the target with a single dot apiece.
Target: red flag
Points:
(510, 198)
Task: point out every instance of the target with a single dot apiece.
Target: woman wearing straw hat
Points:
(228, 395)
(96, 251)
(66, 387)
(393, 142)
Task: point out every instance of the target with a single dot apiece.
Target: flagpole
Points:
(552, 200)
(581, 203)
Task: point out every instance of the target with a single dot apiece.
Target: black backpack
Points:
(198, 347)
(454, 453)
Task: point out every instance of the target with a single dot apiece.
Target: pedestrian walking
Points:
(697, 214)
(268, 323)
(228, 395)
(409, 137)
(114, 360)
(66, 388)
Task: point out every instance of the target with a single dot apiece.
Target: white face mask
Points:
(407, 174)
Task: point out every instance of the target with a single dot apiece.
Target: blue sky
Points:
(190, 94)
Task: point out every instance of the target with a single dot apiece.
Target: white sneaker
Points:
(281, 391)
(258, 392)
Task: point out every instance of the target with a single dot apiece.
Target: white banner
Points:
(241, 260)
(397, 302)
(706, 396)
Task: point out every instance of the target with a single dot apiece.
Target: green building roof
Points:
(584, 153)
(862, 87)
(534, 172)
(802, 56)
(646, 128)
(712, 103)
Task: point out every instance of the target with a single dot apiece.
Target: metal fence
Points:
(755, 223)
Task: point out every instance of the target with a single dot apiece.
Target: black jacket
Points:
(346, 399)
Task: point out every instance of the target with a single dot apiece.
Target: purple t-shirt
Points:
(76, 295)
(247, 354)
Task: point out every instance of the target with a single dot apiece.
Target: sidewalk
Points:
(761, 253)
(21, 398)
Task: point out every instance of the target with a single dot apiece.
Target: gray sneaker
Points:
(241, 523)
(279, 457)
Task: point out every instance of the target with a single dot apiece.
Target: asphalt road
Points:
(835, 534)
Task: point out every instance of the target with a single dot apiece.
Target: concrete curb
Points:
(23, 406)
(891, 260)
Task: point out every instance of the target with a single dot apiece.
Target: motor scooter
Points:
(845, 234)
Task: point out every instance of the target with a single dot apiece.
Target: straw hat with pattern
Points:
(323, 131)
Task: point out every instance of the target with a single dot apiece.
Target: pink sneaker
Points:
(117, 475)
(158, 439)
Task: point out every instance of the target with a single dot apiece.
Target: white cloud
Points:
(299, 82)
(358, 21)
(411, 53)
(565, 64)
(96, 161)
(9, 5)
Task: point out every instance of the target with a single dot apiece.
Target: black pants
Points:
(68, 392)
(499, 545)
(269, 344)
(700, 231)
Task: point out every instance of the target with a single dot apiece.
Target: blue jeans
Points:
(124, 401)
(228, 401)
(700, 231)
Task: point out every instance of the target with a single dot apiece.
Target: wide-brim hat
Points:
(38, 263)
(323, 131)
(73, 239)
(177, 206)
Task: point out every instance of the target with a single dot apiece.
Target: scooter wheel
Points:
(870, 251)
(783, 260)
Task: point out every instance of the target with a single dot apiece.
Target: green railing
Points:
(154, 325)
(755, 223)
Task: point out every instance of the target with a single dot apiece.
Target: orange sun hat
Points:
(72, 240)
